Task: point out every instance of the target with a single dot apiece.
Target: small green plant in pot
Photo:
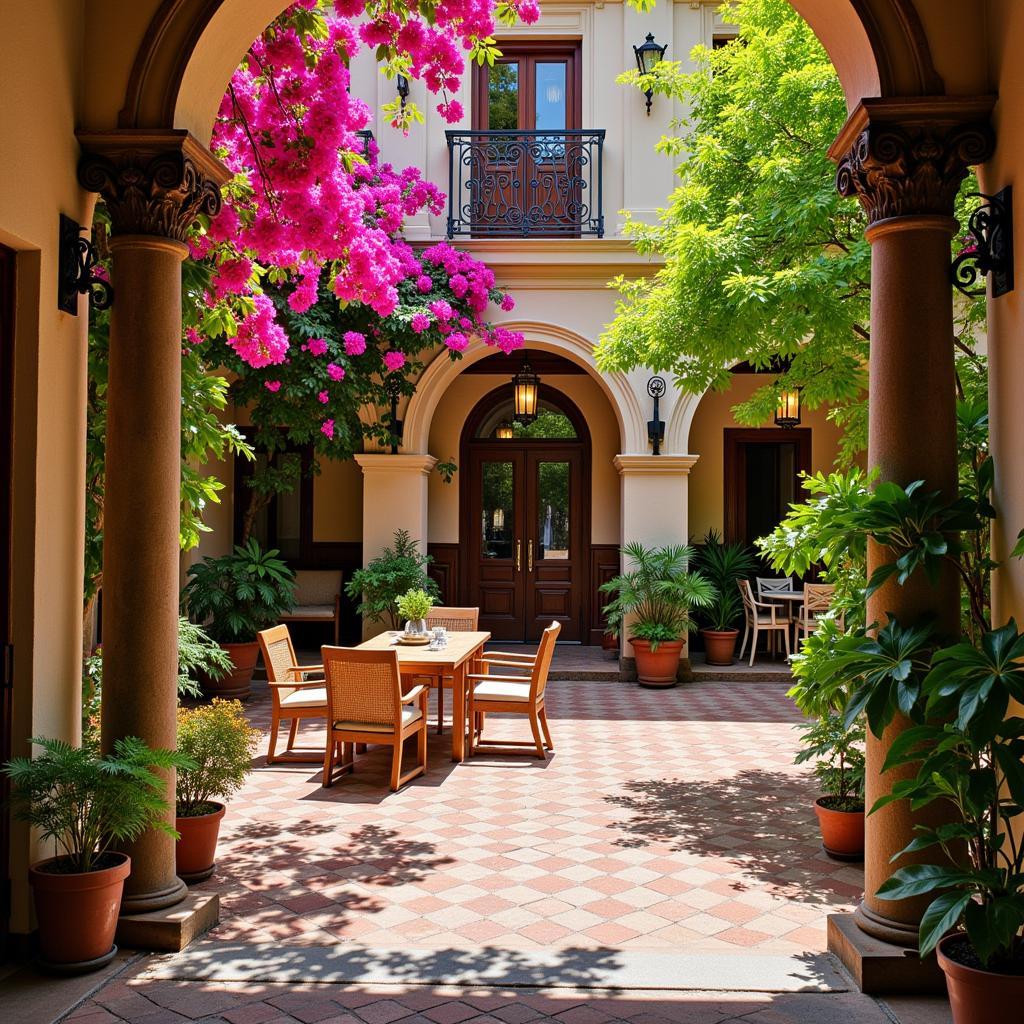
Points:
(724, 566)
(394, 572)
(234, 596)
(658, 591)
(87, 804)
(413, 606)
(219, 743)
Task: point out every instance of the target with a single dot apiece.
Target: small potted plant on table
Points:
(413, 606)
(724, 566)
(660, 591)
(219, 744)
(235, 596)
(87, 804)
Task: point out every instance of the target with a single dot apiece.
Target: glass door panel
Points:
(497, 510)
(553, 510)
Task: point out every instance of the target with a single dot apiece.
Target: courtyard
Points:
(668, 844)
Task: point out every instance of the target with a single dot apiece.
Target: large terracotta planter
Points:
(610, 644)
(77, 913)
(842, 832)
(195, 851)
(236, 683)
(719, 645)
(657, 669)
(976, 996)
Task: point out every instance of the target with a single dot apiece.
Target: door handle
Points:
(519, 556)
(529, 556)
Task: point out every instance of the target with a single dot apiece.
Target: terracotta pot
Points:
(719, 645)
(657, 669)
(77, 913)
(976, 996)
(235, 684)
(610, 642)
(842, 832)
(196, 850)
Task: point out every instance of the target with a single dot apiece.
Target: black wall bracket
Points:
(76, 273)
(989, 252)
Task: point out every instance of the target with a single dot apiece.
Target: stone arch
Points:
(191, 47)
(677, 430)
(442, 371)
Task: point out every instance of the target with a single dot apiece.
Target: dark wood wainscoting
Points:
(444, 571)
(347, 557)
(604, 564)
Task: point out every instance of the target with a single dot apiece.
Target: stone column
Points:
(655, 504)
(394, 498)
(154, 184)
(904, 160)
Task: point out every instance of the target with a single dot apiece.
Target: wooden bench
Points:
(317, 598)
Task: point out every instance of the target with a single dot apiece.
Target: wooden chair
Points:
(817, 602)
(317, 598)
(766, 586)
(761, 617)
(522, 695)
(294, 695)
(455, 620)
(364, 692)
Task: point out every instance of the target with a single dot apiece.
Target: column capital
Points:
(374, 462)
(654, 465)
(907, 157)
(154, 182)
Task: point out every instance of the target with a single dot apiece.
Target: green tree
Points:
(764, 261)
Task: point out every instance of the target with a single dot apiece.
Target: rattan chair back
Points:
(541, 667)
(455, 620)
(278, 656)
(363, 686)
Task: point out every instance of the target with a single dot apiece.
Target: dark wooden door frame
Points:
(583, 514)
(734, 485)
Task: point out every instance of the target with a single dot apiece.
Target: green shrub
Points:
(394, 572)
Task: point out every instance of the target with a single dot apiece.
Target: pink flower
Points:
(424, 283)
(394, 360)
(508, 303)
(192, 336)
(442, 309)
(272, 385)
(458, 284)
(323, 397)
(316, 346)
(335, 372)
(420, 322)
(457, 341)
(355, 343)
(327, 429)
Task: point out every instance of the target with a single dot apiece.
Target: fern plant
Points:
(660, 590)
(89, 803)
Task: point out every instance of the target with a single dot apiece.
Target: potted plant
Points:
(413, 606)
(660, 591)
(724, 565)
(838, 750)
(87, 804)
(394, 572)
(235, 596)
(219, 743)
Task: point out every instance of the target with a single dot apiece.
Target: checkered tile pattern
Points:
(664, 820)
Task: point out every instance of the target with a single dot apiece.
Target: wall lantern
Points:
(988, 251)
(787, 412)
(504, 432)
(76, 274)
(393, 387)
(656, 427)
(648, 57)
(525, 390)
(403, 88)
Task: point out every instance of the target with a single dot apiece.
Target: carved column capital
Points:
(154, 182)
(907, 157)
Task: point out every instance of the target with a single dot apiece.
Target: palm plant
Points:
(660, 590)
(724, 565)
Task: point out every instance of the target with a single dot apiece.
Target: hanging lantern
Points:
(504, 432)
(787, 412)
(525, 393)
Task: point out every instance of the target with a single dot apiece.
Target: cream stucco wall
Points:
(338, 502)
(707, 478)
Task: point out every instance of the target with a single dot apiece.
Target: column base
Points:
(159, 899)
(171, 929)
(879, 967)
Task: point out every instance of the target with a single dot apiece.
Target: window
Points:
(551, 424)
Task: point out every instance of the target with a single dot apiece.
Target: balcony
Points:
(525, 183)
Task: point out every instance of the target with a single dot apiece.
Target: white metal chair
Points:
(761, 617)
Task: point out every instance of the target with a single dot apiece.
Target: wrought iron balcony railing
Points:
(525, 184)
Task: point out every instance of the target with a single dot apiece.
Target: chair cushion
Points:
(310, 611)
(409, 715)
(310, 697)
(516, 693)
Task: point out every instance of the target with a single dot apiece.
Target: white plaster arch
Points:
(677, 431)
(442, 371)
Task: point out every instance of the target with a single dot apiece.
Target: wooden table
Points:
(454, 660)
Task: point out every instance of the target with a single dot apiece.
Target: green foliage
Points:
(660, 590)
(87, 803)
(414, 605)
(447, 470)
(838, 752)
(238, 594)
(724, 566)
(970, 757)
(219, 742)
(394, 572)
(763, 260)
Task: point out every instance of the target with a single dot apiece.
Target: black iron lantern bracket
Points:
(656, 388)
(990, 253)
(402, 84)
(393, 386)
(78, 258)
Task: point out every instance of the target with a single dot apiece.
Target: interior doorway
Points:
(525, 517)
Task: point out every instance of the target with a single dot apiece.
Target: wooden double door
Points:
(525, 537)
